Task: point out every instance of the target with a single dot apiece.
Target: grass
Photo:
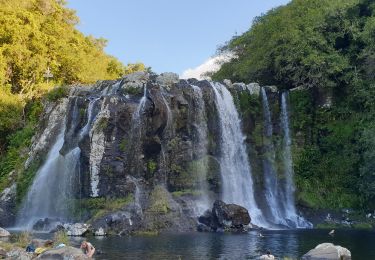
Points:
(186, 192)
(22, 239)
(61, 237)
(98, 207)
(57, 93)
(159, 201)
(146, 233)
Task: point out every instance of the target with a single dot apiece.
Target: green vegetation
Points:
(60, 237)
(188, 192)
(151, 166)
(123, 144)
(17, 152)
(99, 207)
(22, 239)
(146, 233)
(159, 201)
(327, 48)
(57, 93)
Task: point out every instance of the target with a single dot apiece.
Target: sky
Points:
(168, 35)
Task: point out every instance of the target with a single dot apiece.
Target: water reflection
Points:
(291, 244)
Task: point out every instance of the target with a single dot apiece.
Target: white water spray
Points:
(237, 183)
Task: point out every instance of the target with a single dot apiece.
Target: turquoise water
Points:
(291, 244)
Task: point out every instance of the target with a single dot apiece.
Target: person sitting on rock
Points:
(88, 248)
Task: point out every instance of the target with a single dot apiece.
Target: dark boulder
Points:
(228, 217)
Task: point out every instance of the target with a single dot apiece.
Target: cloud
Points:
(213, 64)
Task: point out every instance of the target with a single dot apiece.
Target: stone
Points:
(267, 257)
(100, 232)
(328, 251)
(19, 254)
(3, 253)
(228, 217)
(167, 79)
(272, 89)
(4, 233)
(253, 88)
(231, 215)
(64, 253)
(136, 76)
(77, 229)
(46, 224)
(7, 206)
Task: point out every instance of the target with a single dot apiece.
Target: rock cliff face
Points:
(148, 152)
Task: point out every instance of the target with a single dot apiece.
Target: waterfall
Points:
(200, 148)
(271, 185)
(51, 193)
(90, 118)
(289, 204)
(141, 104)
(237, 183)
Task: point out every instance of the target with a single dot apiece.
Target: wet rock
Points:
(100, 232)
(46, 224)
(267, 257)
(63, 253)
(51, 124)
(229, 217)
(77, 229)
(19, 254)
(328, 251)
(4, 233)
(7, 206)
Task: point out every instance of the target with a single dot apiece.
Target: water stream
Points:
(237, 183)
(271, 184)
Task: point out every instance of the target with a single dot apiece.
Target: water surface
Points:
(292, 244)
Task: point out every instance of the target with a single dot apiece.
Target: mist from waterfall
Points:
(200, 143)
(237, 183)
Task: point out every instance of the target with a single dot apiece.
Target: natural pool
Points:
(291, 244)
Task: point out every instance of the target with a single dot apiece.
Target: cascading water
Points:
(51, 192)
(237, 183)
(271, 186)
(90, 118)
(200, 147)
(289, 205)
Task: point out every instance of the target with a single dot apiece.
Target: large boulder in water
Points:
(67, 252)
(227, 217)
(328, 251)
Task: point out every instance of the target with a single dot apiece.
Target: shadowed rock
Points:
(228, 217)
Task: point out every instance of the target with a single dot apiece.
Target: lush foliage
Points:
(326, 47)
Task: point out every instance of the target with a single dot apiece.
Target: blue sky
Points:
(167, 35)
